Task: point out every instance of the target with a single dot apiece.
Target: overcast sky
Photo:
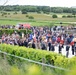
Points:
(52, 3)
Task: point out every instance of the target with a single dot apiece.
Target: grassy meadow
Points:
(39, 19)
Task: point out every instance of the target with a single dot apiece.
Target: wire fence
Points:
(32, 61)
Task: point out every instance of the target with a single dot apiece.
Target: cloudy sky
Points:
(52, 3)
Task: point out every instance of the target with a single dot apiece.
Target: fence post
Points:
(4, 56)
(43, 61)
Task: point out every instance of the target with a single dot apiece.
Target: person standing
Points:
(49, 43)
(53, 47)
(75, 48)
(33, 45)
(43, 46)
(67, 50)
(60, 48)
(74, 45)
(72, 49)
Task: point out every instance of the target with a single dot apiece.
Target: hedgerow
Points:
(10, 31)
(38, 55)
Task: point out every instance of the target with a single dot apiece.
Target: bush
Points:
(10, 31)
(46, 12)
(15, 13)
(31, 17)
(5, 16)
(54, 16)
(63, 16)
(4, 13)
(8, 13)
(27, 15)
(69, 16)
(36, 55)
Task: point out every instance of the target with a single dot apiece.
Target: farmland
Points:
(39, 19)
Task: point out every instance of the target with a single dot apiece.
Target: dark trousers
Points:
(52, 48)
(75, 50)
(72, 50)
(67, 50)
(60, 49)
(67, 53)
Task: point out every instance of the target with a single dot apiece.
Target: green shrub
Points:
(10, 31)
(69, 16)
(15, 13)
(31, 17)
(4, 13)
(36, 55)
(5, 16)
(27, 15)
(54, 16)
(46, 12)
(63, 16)
(8, 13)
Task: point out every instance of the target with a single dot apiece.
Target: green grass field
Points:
(39, 19)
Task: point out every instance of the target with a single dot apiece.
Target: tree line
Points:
(38, 9)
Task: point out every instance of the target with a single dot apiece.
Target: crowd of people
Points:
(45, 38)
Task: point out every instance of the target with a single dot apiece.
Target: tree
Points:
(24, 12)
(56, 9)
(74, 12)
(4, 3)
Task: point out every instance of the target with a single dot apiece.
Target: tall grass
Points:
(29, 69)
(23, 69)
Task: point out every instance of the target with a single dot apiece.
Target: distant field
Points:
(39, 19)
